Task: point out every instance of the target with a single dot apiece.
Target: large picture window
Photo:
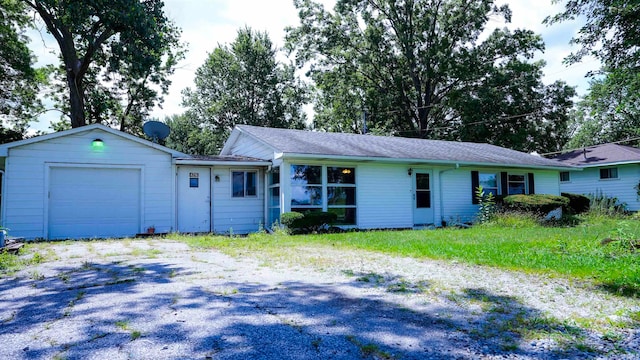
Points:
(306, 187)
(244, 183)
(341, 194)
(320, 188)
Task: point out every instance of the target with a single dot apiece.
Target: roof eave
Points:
(419, 161)
(221, 162)
(617, 163)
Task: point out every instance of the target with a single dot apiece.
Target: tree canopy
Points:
(244, 83)
(18, 79)
(116, 56)
(426, 68)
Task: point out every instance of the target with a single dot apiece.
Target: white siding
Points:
(588, 182)
(237, 215)
(247, 146)
(456, 190)
(25, 201)
(384, 196)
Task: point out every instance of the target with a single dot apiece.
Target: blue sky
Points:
(207, 23)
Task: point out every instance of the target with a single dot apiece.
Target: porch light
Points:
(97, 144)
(410, 171)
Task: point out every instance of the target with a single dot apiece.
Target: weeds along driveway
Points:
(159, 299)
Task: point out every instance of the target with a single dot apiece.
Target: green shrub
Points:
(289, 218)
(578, 204)
(308, 222)
(537, 203)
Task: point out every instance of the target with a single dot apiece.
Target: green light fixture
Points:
(97, 144)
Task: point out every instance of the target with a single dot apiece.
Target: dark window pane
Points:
(275, 196)
(610, 173)
(564, 176)
(251, 184)
(274, 177)
(488, 180)
(346, 216)
(516, 188)
(193, 182)
(305, 174)
(341, 195)
(517, 178)
(422, 181)
(306, 195)
(341, 175)
(423, 199)
(238, 183)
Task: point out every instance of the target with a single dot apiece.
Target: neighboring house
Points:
(612, 169)
(94, 181)
(386, 182)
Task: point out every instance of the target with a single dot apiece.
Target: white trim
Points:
(198, 162)
(612, 164)
(244, 186)
(47, 172)
(296, 157)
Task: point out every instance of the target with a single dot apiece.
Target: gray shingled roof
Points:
(387, 147)
(600, 155)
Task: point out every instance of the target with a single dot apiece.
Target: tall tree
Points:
(18, 79)
(111, 50)
(404, 62)
(190, 137)
(609, 112)
(243, 83)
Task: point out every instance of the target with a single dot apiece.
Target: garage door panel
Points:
(93, 202)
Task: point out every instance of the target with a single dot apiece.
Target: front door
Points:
(422, 204)
(194, 199)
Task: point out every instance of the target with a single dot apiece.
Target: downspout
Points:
(441, 192)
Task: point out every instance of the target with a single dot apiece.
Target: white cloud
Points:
(205, 24)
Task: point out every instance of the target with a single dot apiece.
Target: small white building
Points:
(95, 181)
(609, 169)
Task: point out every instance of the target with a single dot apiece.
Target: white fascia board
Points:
(629, 162)
(295, 156)
(221, 162)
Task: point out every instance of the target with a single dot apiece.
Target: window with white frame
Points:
(516, 184)
(609, 173)
(489, 183)
(274, 195)
(306, 188)
(341, 194)
(244, 184)
(325, 188)
(564, 176)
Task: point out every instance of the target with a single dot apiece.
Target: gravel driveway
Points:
(160, 299)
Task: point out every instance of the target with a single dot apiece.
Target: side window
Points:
(244, 183)
(564, 176)
(609, 173)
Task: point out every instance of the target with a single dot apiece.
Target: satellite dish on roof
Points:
(156, 130)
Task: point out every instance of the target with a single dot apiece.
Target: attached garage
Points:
(88, 202)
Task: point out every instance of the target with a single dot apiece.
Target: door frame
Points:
(430, 217)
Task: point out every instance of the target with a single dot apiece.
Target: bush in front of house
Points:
(537, 203)
(578, 204)
(308, 222)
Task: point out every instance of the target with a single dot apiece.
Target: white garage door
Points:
(93, 202)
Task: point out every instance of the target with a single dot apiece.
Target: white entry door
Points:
(422, 198)
(194, 199)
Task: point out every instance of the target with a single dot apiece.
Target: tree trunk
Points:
(76, 100)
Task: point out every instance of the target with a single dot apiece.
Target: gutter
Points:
(221, 162)
(420, 161)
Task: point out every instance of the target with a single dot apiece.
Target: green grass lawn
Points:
(513, 243)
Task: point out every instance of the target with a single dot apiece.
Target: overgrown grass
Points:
(515, 243)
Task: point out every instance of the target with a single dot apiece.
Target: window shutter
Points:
(532, 187)
(504, 183)
(475, 182)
